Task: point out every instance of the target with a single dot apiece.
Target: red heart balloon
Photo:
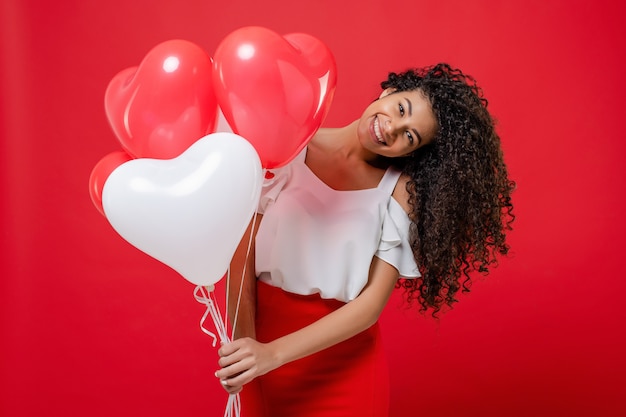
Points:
(101, 172)
(274, 90)
(158, 109)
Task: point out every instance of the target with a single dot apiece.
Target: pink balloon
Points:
(161, 107)
(274, 90)
(189, 212)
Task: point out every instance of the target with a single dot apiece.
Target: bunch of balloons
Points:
(182, 192)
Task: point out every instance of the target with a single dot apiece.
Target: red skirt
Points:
(348, 379)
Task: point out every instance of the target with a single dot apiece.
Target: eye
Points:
(410, 136)
(401, 107)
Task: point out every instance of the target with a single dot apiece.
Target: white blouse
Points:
(314, 239)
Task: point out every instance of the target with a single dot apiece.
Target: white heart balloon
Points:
(189, 212)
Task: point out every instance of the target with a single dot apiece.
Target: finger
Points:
(232, 390)
(233, 370)
(231, 347)
(235, 357)
(226, 350)
(241, 378)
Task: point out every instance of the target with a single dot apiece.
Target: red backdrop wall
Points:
(92, 326)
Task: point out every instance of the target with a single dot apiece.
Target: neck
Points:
(345, 142)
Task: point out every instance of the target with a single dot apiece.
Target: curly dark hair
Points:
(459, 189)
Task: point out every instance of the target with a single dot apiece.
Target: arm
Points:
(245, 359)
(244, 327)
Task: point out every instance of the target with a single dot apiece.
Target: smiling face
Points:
(397, 123)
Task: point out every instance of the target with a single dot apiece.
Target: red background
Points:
(92, 326)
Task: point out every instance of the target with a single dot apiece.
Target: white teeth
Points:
(377, 132)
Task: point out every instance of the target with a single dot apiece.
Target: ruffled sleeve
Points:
(273, 183)
(394, 247)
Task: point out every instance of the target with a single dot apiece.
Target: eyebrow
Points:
(408, 102)
(410, 106)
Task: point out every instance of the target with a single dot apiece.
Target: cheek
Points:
(362, 129)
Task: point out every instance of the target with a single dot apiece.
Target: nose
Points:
(392, 130)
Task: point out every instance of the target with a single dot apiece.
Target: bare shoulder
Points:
(322, 137)
(400, 194)
(319, 143)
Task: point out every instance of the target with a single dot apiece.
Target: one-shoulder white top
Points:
(314, 239)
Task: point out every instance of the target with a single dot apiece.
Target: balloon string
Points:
(233, 406)
(218, 319)
(227, 291)
(206, 297)
(203, 296)
(243, 274)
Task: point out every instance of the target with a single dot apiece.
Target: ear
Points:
(386, 92)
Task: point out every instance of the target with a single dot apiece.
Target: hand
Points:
(243, 360)
(231, 389)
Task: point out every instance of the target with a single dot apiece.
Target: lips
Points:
(377, 134)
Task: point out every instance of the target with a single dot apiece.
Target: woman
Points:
(413, 194)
